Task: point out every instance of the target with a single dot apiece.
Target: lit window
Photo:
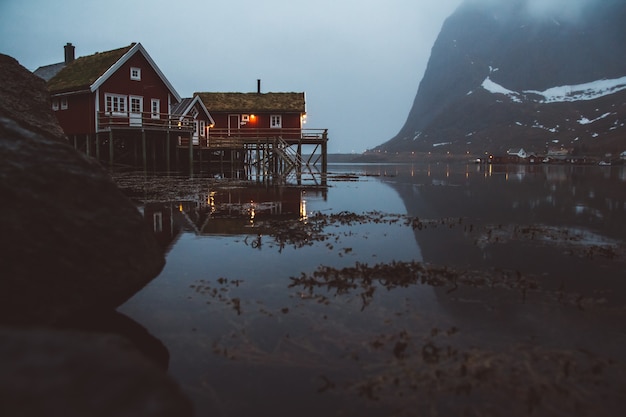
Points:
(156, 108)
(64, 104)
(135, 74)
(276, 121)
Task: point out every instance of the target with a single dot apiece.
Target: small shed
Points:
(193, 110)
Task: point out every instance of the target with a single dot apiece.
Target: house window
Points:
(55, 105)
(64, 103)
(194, 112)
(135, 74)
(202, 128)
(156, 108)
(276, 121)
(115, 104)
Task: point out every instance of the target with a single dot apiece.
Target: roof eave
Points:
(136, 48)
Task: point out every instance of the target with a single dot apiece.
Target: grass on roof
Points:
(84, 71)
(253, 102)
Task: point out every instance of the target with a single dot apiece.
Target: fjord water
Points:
(255, 326)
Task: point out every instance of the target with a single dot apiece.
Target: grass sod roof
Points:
(84, 71)
(254, 102)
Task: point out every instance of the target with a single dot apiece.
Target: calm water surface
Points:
(513, 303)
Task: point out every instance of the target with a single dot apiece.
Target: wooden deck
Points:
(164, 141)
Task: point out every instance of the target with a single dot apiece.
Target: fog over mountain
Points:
(523, 73)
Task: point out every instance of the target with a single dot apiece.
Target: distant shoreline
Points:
(368, 158)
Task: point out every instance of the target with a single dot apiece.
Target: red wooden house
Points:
(115, 96)
(256, 114)
(119, 87)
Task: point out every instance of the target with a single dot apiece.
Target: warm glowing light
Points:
(180, 208)
(303, 215)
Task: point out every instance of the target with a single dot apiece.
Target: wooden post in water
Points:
(144, 151)
(191, 154)
(153, 152)
(97, 144)
(325, 152)
(87, 150)
(111, 147)
(258, 159)
(167, 150)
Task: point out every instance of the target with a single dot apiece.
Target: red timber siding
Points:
(79, 117)
(149, 87)
(259, 125)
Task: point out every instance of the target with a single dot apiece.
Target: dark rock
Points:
(71, 242)
(54, 373)
(25, 99)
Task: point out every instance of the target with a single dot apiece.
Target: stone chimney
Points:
(69, 52)
(258, 86)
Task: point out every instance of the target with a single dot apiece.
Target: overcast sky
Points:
(359, 63)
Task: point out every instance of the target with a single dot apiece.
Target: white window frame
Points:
(115, 104)
(55, 105)
(202, 128)
(135, 74)
(155, 106)
(64, 104)
(135, 114)
(276, 121)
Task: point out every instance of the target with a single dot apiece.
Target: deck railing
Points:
(268, 133)
(164, 121)
(145, 120)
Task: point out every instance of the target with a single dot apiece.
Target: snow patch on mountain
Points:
(586, 121)
(561, 94)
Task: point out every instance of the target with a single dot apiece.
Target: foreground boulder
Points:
(71, 242)
(54, 373)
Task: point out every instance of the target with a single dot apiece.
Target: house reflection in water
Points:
(242, 210)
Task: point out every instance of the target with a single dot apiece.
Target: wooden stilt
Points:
(144, 151)
(191, 154)
(87, 150)
(111, 147)
(167, 151)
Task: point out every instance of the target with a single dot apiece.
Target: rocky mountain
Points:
(522, 74)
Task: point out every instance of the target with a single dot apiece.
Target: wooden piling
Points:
(144, 150)
(191, 154)
(111, 147)
(167, 151)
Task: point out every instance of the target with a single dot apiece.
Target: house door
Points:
(136, 109)
(233, 124)
(196, 129)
